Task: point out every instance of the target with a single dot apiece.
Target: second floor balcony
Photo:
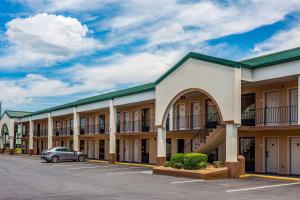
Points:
(94, 129)
(40, 132)
(66, 131)
(136, 126)
(270, 116)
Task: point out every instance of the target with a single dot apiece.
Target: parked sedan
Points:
(62, 154)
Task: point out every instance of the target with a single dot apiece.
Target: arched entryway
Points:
(217, 79)
(4, 143)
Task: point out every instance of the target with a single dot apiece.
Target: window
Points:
(146, 119)
(102, 123)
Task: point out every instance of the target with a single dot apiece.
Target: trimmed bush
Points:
(168, 164)
(217, 164)
(177, 165)
(195, 161)
(178, 160)
(202, 165)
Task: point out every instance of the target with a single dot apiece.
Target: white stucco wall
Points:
(9, 122)
(222, 83)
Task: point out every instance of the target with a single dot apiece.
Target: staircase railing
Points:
(204, 132)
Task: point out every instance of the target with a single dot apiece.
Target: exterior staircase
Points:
(207, 140)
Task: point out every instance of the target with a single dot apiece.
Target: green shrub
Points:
(178, 159)
(195, 161)
(202, 165)
(168, 164)
(217, 164)
(177, 165)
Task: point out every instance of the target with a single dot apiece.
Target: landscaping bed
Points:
(209, 173)
(192, 165)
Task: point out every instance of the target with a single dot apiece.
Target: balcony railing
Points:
(195, 122)
(136, 126)
(40, 133)
(94, 129)
(67, 131)
(270, 116)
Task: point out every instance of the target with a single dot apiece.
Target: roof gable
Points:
(273, 58)
(206, 58)
(16, 114)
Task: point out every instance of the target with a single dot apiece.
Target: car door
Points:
(60, 153)
(70, 154)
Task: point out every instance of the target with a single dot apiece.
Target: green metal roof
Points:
(102, 97)
(216, 60)
(16, 114)
(274, 58)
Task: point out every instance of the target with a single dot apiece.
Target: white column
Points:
(11, 142)
(75, 130)
(11, 131)
(231, 142)
(298, 99)
(161, 142)
(50, 131)
(112, 127)
(171, 118)
(30, 134)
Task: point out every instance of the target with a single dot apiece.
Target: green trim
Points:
(16, 114)
(273, 58)
(220, 61)
(107, 96)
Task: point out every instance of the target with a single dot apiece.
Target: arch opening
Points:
(192, 109)
(4, 137)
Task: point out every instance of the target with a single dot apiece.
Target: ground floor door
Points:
(180, 145)
(247, 149)
(168, 148)
(271, 155)
(295, 156)
(118, 149)
(101, 149)
(145, 150)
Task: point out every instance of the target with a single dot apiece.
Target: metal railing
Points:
(270, 116)
(40, 133)
(136, 126)
(66, 131)
(94, 129)
(195, 122)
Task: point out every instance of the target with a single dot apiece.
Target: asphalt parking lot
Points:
(25, 177)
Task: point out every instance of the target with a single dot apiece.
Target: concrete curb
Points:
(283, 178)
(121, 163)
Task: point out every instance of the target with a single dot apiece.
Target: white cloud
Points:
(164, 22)
(135, 69)
(25, 90)
(45, 39)
(65, 5)
(280, 41)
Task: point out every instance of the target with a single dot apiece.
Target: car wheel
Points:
(81, 158)
(54, 159)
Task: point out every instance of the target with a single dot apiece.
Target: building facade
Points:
(202, 104)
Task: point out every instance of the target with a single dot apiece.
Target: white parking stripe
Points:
(72, 168)
(136, 172)
(103, 170)
(181, 182)
(263, 187)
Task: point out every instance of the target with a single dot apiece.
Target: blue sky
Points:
(57, 51)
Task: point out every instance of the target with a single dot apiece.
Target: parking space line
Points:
(263, 187)
(120, 168)
(95, 167)
(136, 172)
(191, 181)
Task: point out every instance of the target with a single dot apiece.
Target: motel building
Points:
(202, 104)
